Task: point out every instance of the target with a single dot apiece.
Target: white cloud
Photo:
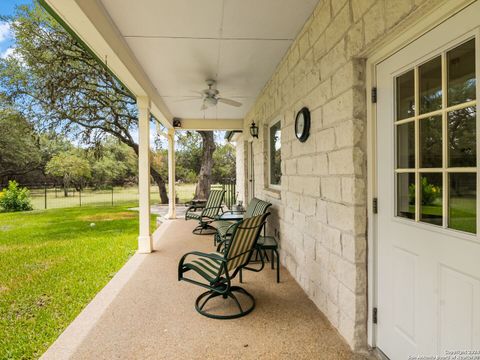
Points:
(10, 51)
(5, 31)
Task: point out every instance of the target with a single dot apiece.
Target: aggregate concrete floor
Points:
(152, 316)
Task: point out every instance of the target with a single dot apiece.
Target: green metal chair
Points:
(208, 213)
(218, 269)
(224, 228)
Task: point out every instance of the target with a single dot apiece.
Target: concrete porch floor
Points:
(145, 313)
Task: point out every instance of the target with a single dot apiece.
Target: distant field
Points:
(56, 198)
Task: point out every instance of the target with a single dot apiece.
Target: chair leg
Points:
(243, 310)
(241, 276)
(273, 258)
(204, 229)
(278, 266)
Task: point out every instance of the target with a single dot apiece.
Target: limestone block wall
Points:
(320, 214)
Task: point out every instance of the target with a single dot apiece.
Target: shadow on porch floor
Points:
(144, 312)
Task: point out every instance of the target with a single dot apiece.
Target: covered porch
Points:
(144, 312)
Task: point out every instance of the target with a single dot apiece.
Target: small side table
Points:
(270, 243)
(265, 243)
(231, 216)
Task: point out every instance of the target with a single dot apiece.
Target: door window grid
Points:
(445, 170)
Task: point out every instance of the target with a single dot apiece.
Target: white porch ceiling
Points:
(181, 43)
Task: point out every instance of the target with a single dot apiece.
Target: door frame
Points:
(250, 174)
(374, 56)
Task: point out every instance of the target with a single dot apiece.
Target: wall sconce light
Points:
(254, 130)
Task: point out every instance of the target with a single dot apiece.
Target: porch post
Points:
(172, 213)
(144, 238)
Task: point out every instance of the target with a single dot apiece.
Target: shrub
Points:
(15, 198)
(429, 193)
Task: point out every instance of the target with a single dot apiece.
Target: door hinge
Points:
(374, 95)
(375, 315)
(375, 205)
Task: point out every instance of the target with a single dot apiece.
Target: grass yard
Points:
(52, 263)
(462, 213)
(121, 195)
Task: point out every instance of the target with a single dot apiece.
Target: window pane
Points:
(275, 154)
(462, 202)
(406, 195)
(461, 73)
(431, 142)
(406, 145)
(405, 95)
(461, 137)
(431, 201)
(430, 78)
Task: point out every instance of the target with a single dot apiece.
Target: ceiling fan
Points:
(211, 96)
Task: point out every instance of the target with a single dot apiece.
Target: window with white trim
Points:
(275, 160)
(436, 140)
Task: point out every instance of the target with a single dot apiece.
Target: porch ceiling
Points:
(181, 43)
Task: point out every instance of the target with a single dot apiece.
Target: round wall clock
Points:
(302, 124)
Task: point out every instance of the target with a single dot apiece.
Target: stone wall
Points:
(320, 212)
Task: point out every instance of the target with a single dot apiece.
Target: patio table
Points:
(231, 216)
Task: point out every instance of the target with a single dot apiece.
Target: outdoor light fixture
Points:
(254, 130)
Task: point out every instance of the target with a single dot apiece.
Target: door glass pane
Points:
(405, 95)
(431, 198)
(462, 202)
(430, 79)
(461, 73)
(406, 145)
(461, 138)
(431, 142)
(406, 195)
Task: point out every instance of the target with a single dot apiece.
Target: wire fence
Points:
(54, 196)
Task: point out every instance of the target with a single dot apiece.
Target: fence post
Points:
(112, 195)
(80, 196)
(45, 196)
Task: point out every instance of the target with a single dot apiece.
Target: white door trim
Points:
(425, 24)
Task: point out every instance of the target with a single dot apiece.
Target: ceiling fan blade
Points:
(188, 99)
(230, 102)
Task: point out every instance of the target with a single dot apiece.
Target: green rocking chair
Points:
(207, 213)
(218, 269)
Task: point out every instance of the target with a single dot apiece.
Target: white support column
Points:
(144, 239)
(172, 213)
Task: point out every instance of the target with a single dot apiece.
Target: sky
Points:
(7, 43)
(7, 8)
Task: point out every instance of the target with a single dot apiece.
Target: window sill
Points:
(273, 193)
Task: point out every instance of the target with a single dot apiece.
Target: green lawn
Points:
(52, 263)
(462, 213)
(121, 195)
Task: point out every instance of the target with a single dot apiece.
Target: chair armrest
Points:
(193, 208)
(202, 254)
(209, 208)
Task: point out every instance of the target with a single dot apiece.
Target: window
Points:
(436, 141)
(275, 161)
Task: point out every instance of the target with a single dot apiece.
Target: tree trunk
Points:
(156, 177)
(161, 185)
(205, 175)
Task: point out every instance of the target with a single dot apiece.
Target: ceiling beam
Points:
(89, 20)
(211, 124)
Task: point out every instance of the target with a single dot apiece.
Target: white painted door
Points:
(428, 256)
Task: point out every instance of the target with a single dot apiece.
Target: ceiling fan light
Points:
(210, 101)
